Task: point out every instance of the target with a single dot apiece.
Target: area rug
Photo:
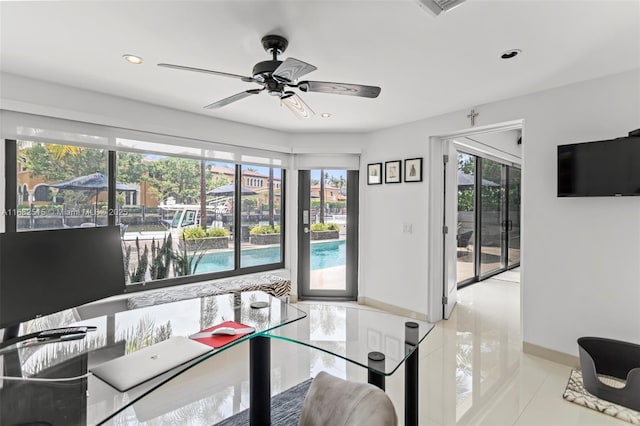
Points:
(285, 408)
(576, 393)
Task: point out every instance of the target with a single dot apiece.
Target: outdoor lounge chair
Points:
(464, 239)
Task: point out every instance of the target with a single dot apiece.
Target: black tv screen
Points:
(42, 272)
(599, 169)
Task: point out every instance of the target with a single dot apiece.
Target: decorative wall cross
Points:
(472, 115)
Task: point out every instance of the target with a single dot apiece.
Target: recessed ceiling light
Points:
(325, 115)
(510, 54)
(133, 59)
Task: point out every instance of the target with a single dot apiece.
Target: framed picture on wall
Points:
(413, 170)
(393, 171)
(374, 174)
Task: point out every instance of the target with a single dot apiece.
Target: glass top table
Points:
(50, 382)
(363, 332)
(377, 341)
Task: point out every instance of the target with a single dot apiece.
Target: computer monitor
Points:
(42, 272)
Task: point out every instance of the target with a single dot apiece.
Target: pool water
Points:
(323, 255)
(328, 254)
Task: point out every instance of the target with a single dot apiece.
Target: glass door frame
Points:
(304, 240)
(509, 221)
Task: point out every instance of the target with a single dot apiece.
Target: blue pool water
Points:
(323, 255)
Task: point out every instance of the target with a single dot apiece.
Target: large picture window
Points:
(181, 219)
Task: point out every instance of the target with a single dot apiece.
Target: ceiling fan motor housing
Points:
(262, 70)
(274, 44)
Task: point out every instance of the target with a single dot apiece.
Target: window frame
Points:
(11, 204)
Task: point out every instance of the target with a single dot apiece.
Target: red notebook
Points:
(219, 340)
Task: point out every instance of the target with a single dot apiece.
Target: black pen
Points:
(65, 333)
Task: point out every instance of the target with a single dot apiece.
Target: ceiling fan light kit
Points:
(277, 77)
(133, 59)
(435, 7)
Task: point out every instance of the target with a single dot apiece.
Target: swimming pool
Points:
(323, 255)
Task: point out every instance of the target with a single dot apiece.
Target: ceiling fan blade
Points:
(339, 88)
(223, 74)
(291, 70)
(230, 99)
(297, 105)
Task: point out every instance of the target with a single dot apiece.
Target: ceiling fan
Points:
(278, 77)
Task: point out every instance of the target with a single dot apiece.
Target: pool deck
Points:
(333, 278)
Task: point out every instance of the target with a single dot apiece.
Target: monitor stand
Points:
(10, 335)
(11, 332)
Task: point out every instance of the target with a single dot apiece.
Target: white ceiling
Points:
(425, 65)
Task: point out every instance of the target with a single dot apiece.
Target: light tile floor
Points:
(472, 372)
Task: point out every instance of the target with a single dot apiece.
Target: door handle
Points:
(306, 230)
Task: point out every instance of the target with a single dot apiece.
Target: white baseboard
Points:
(551, 355)
(391, 308)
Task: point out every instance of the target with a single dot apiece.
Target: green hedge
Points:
(324, 227)
(197, 232)
(265, 230)
(218, 232)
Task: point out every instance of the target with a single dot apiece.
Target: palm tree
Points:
(61, 151)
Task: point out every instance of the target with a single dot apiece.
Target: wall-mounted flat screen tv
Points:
(608, 168)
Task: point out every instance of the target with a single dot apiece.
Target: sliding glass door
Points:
(488, 228)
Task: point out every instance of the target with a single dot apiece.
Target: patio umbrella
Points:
(94, 182)
(228, 190)
(466, 179)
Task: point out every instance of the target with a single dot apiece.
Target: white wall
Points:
(394, 263)
(327, 143)
(582, 270)
(23, 94)
(581, 256)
